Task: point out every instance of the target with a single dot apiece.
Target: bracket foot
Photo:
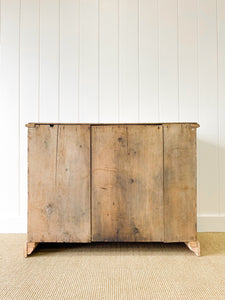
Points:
(194, 246)
(29, 248)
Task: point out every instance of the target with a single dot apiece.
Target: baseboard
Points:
(18, 224)
(211, 223)
(13, 224)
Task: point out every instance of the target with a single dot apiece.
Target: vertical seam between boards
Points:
(163, 184)
(90, 183)
(196, 184)
(56, 156)
(59, 60)
(28, 179)
(218, 110)
(39, 61)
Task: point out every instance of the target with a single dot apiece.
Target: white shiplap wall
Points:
(112, 61)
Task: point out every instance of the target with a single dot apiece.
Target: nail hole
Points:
(51, 125)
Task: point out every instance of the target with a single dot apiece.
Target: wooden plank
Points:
(32, 125)
(73, 183)
(59, 184)
(42, 142)
(127, 183)
(180, 216)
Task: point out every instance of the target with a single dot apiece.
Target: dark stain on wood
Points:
(135, 230)
(49, 209)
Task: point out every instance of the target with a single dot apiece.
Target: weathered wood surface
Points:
(127, 183)
(59, 183)
(30, 125)
(180, 215)
(194, 246)
(29, 248)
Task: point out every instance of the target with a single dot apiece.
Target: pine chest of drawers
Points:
(112, 183)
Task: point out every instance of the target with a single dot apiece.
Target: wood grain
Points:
(127, 183)
(59, 184)
(180, 182)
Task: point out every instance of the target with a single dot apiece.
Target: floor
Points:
(112, 271)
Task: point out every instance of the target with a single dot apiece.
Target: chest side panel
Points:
(180, 182)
